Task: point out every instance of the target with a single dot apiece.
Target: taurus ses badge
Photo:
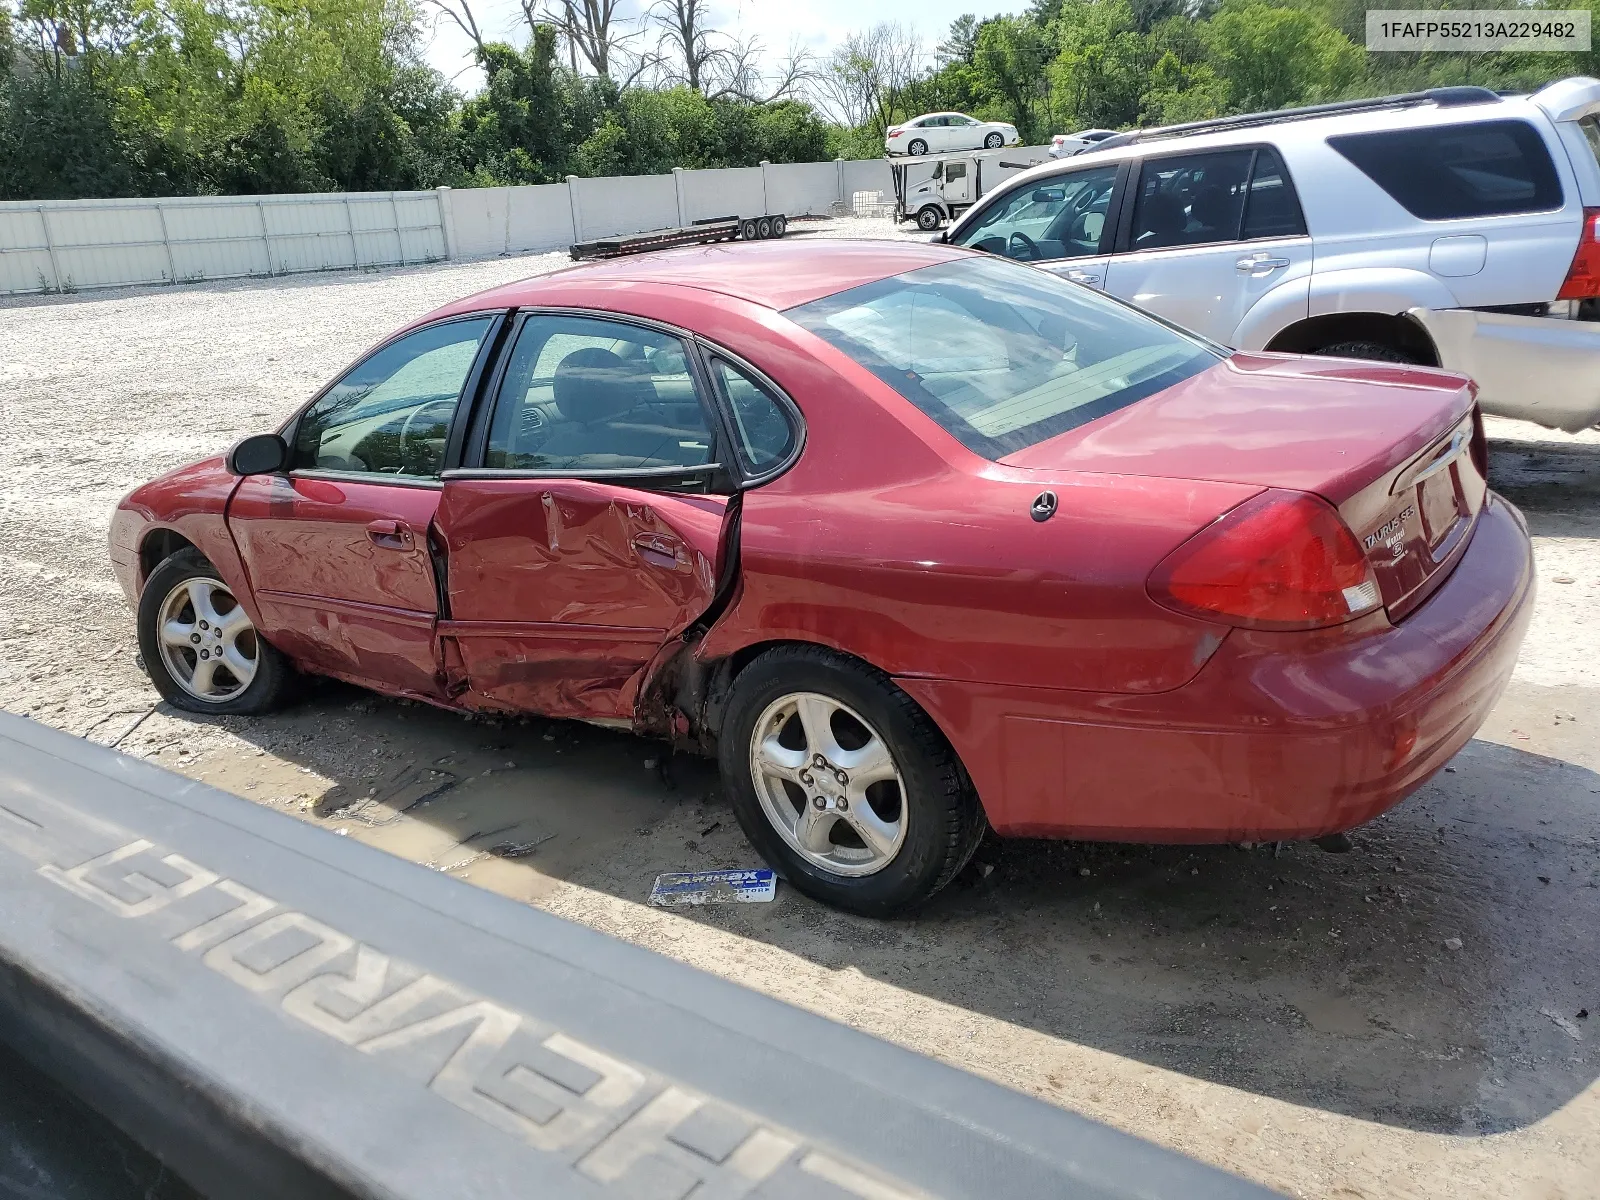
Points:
(1043, 507)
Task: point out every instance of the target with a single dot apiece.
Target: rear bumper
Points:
(1541, 369)
(1280, 736)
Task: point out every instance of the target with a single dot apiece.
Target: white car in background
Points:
(1065, 145)
(1452, 228)
(934, 133)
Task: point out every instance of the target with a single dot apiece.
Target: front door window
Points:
(391, 414)
(1057, 218)
(1190, 200)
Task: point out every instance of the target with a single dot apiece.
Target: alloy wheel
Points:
(829, 784)
(208, 644)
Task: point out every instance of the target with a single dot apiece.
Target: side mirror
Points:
(940, 238)
(259, 454)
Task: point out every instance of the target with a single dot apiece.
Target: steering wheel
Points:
(1030, 250)
(405, 428)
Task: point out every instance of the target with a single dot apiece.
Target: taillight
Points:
(1281, 560)
(894, 133)
(1583, 277)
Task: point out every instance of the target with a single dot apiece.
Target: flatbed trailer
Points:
(712, 229)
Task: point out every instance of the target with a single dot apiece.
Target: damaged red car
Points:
(914, 539)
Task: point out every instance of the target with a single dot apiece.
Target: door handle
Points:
(1077, 276)
(661, 551)
(390, 535)
(1253, 263)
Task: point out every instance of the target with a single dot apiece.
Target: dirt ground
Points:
(1299, 1017)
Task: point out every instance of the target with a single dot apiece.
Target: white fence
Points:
(67, 245)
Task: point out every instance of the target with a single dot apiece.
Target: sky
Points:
(816, 24)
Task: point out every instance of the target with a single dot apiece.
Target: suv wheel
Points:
(1376, 351)
(199, 645)
(843, 784)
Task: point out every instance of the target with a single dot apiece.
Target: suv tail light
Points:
(1583, 276)
(1281, 560)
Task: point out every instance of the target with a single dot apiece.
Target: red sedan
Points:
(914, 538)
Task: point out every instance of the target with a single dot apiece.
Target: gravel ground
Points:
(1300, 1018)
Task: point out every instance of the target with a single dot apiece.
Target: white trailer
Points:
(933, 191)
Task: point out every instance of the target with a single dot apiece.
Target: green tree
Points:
(1102, 66)
(1274, 57)
(1010, 57)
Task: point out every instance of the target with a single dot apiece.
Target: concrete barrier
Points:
(70, 245)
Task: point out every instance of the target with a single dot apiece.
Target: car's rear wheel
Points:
(1377, 351)
(843, 784)
(917, 146)
(994, 141)
(928, 218)
(200, 646)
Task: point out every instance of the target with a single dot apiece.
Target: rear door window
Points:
(1271, 208)
(588, 394)
(1451, 172)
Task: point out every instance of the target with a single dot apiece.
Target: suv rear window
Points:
(1446, 172)
(1001, 355)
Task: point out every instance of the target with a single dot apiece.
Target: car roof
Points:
(776, 274)
(1304, 129)
(1287, 135)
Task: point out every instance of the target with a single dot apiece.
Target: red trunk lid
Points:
(1396, 449)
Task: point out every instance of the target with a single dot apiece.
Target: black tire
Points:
(1376, 351)
(943, 820)
(780, 225)
(747, 230)
(928, 218)
(994, 141)
(764, 227)
(273, 678)
(917, 146)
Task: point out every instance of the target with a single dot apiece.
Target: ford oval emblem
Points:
(1043, 507)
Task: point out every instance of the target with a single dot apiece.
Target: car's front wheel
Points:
(843, 784)
(200, 646)
(994, 141)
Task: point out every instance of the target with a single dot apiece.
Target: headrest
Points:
(593, 384)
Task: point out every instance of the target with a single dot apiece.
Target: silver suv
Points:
(1453, 227)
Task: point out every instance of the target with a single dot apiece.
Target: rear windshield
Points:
(1000, 354)
(1447, 172)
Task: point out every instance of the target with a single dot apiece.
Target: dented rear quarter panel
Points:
(890, 541)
